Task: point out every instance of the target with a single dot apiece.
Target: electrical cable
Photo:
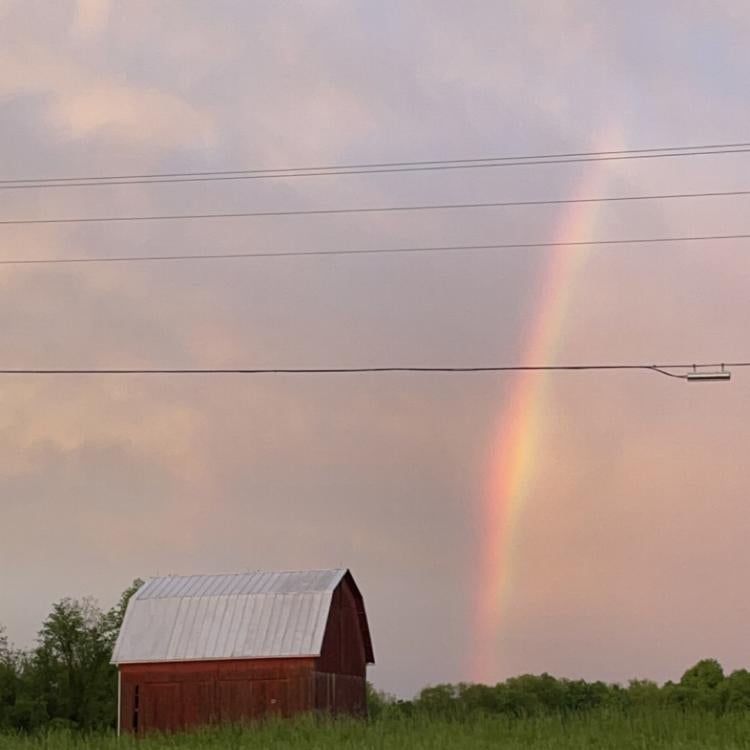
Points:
(367, 251)
(374, 168)
(666, 369)
(380, 209)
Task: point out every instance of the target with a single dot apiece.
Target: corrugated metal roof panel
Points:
(259, 582)
(236, 616)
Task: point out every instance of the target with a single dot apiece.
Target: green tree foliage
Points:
(67, 679)
(72, 664)
(735, 691)
(439, 700)
(703, 688)
(8, 681)
(699, 687)
(378, 702)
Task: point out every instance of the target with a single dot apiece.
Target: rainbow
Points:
(513, 454)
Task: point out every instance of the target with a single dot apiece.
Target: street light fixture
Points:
(707, 375)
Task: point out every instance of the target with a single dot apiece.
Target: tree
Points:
(8, 681)
(700, 687)
(378, 702)
(482, 699)
(707, 674)
(579, 695)
(71, 668)
(438, 700)
(529, 694)
(736, 691)
(72, 663)
(644, 694)
(20, 708)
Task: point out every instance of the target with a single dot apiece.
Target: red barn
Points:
(196, 650)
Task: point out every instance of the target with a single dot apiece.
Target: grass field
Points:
(604, 729)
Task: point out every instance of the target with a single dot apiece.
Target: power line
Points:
(370, 251)
(574, 154)
(380, 209)
(374, 168)
(385, 164)
(665, 369)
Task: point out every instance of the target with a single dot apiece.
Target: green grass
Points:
(650, 730)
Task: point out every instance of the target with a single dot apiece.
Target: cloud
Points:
(124, 113)
(83, 103)
(91, 16)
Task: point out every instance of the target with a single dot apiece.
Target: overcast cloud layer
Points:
(631, 551)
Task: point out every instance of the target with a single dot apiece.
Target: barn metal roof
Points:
(236, 616)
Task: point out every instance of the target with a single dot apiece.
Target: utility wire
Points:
(370, 251)
(379, 209)
(374, 168)
(667, 369)
(709, 146)
(386, 164)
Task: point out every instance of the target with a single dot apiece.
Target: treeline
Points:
(67, 680)
(703, 687)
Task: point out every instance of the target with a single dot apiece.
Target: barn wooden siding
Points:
(185, 695)
(170, 696)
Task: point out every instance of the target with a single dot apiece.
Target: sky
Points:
(628, 548)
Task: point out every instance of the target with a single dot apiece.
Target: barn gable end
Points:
(346, 647)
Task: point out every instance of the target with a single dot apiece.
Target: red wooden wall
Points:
(172, 696)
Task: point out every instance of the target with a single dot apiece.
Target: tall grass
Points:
(605, 729)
